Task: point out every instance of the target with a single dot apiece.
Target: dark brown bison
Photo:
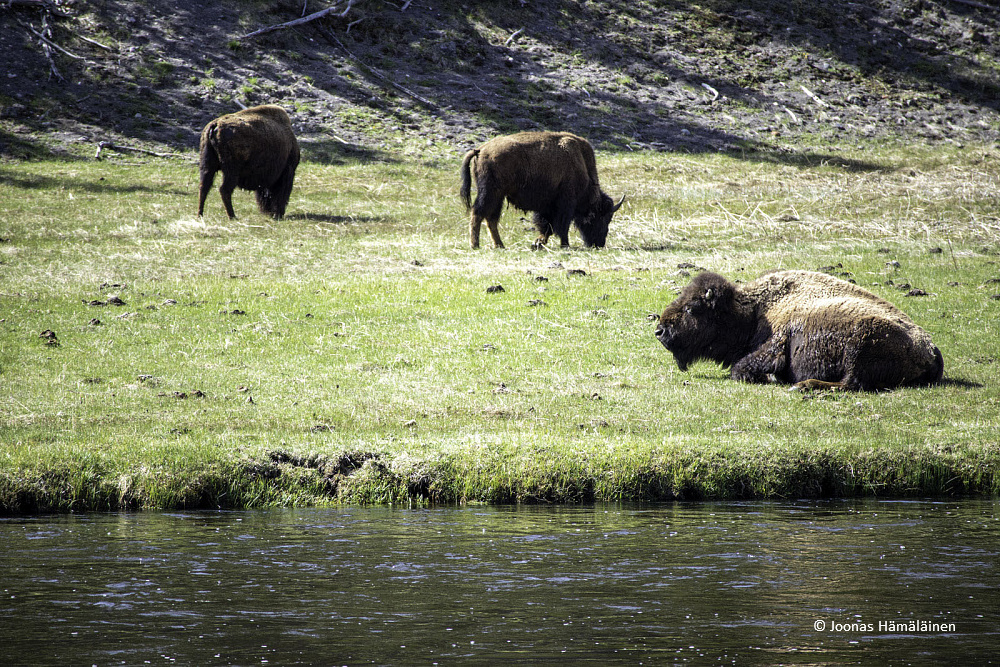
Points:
(551, 174)
(799, 327)
(256, 150)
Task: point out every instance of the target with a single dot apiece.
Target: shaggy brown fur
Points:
(256, 150)
(551, 174)
(798, 327)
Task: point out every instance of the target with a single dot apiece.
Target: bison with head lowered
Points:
(800, 327)
(551, 174)
(256, 150)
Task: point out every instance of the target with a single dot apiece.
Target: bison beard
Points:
(551, 174)
(800, 327)
(256, 150)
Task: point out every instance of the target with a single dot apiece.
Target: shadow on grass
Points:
(959, 382)
(335, 219)
(39, 182)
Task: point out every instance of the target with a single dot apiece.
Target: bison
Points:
(551, 174)
(801, 327)
(256, 150)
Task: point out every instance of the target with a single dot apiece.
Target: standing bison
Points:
(551, 174)
(799, 327)
(256, 150)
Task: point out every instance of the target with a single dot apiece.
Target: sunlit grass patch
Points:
(362, 322)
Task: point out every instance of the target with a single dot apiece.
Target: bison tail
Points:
(466, 191)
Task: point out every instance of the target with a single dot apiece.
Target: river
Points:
(831, 582)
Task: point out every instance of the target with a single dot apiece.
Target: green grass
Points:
(351, 352)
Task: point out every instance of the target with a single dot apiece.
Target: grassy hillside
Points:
(438, 77)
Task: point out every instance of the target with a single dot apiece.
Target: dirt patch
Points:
(438, 78)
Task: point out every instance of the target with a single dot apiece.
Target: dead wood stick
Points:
(374, 72)
(306, 19)
(51, 43)
(977, 5)
(40, 4)
(813, 95)
(111, 146)
(94, 42)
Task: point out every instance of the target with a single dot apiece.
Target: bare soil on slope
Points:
(435, 77)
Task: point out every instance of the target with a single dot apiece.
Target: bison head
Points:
(704, 322)
(594, 227)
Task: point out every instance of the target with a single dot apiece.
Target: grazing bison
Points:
(799, 327)
(551, 174)
(256, 150)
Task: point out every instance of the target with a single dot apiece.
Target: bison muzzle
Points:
(256, 150)
(551, 174)
(801, 327)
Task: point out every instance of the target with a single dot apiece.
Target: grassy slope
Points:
(636, 73)
(352, 353)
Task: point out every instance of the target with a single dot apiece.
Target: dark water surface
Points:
(713, 583)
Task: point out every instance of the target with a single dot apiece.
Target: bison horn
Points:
(709, 294)
(619, 204)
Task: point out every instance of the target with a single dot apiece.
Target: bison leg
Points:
(226, 192)
(475, 223)
(768, 361)
(488, 207)
(207, 178)
(561, 222)
(544, 230)
(494, 226)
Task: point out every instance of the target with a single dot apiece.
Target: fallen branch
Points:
(713, 91)
(515, 34)
(977, 5)
(111, 146)
(814, 96)
(47, 46)
(94, 42)
(371, 70)
(306, 19)
(52, 44)
(38, 4)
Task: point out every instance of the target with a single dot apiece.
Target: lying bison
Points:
(551, 174)
(256, 150)
(799, 327)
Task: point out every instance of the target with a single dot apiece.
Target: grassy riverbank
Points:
(353, 353)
